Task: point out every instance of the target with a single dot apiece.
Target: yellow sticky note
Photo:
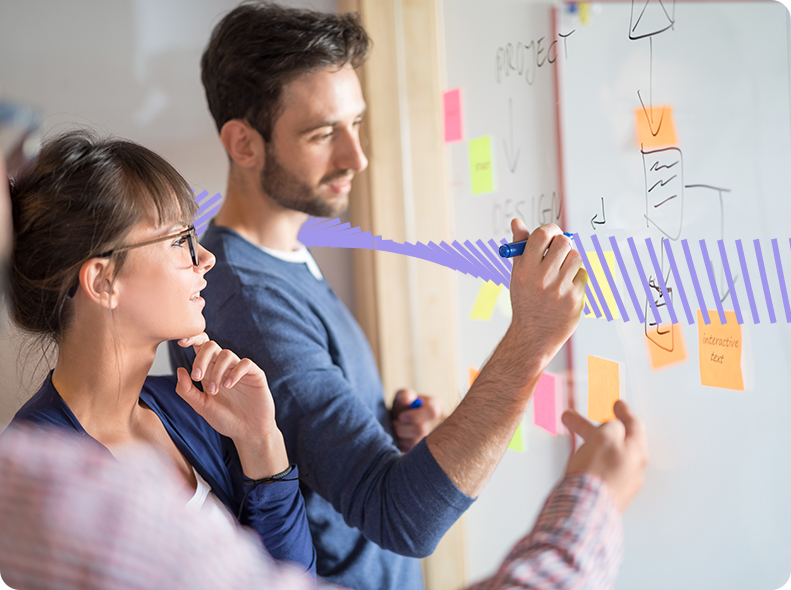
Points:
(485, 302)
(655, 127)
(481, 165)
(598, 271)
(603, 388)
(720, 350)
(666, 346)
(518, 440)
(584, 9)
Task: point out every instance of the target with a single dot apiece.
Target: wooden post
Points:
(407, 307)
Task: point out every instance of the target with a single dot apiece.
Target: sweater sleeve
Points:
(576, 542)
(277, 512)
(402, 502)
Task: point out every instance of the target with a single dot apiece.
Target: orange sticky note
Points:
(666, 346)
(472, 375)
(603, 388)
(720, 350)
(655, 127)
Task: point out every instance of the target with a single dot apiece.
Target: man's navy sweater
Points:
(372, 510)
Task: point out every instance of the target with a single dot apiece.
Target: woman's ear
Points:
(96, 282)
(244, 144)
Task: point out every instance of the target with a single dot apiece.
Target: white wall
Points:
(128, 68)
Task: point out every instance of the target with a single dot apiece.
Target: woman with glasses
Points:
(106, 266)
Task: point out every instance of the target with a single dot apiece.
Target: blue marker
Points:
(516, 248)
(416, 404)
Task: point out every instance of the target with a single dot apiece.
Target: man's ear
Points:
(243, 143)
(96, 283)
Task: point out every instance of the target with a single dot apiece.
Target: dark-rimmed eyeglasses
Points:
(189, 234)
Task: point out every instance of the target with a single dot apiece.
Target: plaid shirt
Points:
(71, 517)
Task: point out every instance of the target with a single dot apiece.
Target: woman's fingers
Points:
(197, 340)
(204, 359)
(223, 362)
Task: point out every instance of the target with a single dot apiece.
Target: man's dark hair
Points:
(258, 48)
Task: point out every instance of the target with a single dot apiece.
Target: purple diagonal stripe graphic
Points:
(496, 249)
(747, 283)
(679, 285)
(480, 269)
(627, 279)
(644, 281)
(499, 277)
(206, 203)
(312, 221)
(591, 302)
(781, 278)
(661, 280)
(728, 277)
(712, 280)
(762, 269)
(610, 279)
(586, 310)
(704, 309)
(495, 260)
(461, 260)
(202, 223)
(592, 278)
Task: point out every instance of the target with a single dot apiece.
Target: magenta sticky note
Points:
(544, 403)
(452, 100)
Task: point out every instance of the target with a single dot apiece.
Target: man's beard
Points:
(288, 191)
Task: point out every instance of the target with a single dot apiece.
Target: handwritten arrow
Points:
(509, 151)
(604, 219)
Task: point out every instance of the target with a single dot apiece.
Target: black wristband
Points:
(254, 483)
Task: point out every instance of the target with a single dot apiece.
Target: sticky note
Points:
(598, 272)
(452, 104)
(603, 388)
(584, 13)
(655, 127)
(504, 303)
(485, 302)
(481, 165)
(720, 351)
(472, 375)
(518, 440)
(545, 404)
(668, 349)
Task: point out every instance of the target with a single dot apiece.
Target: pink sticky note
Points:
(452, 99)
(544, 404)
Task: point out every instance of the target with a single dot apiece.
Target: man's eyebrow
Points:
(330, 123)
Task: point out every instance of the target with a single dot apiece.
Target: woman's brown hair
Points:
(80, 200)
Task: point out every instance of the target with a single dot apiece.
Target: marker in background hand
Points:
(516, 248)
(416, 404)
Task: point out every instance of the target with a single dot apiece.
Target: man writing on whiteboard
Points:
(383, 485)
(56, 492)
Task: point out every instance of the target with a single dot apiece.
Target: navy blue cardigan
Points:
(275, 511)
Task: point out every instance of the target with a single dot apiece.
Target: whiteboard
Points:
(713, 512)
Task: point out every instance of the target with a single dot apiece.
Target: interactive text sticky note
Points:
(545, 403)
(720, 351)
(481, 165)
(666, 346)
(518, 440)
(598, 271)
(485, 302)
(603, 388)
(452, 104)
(655, 127)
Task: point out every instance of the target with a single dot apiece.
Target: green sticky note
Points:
(481, 165)
(518, 441)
